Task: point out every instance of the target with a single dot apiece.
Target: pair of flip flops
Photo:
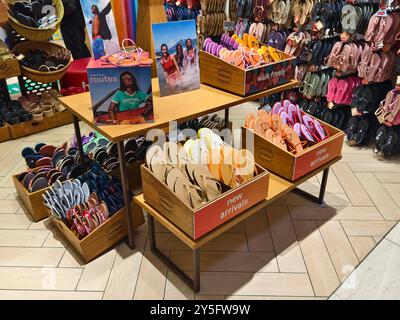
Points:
(340, 90)
(86, 217)
(61, 197)
(378, 66)
(135, 150)
(389, 109)
(129, 56)
(357, 131)
(191, 182)
(386, 141)
(36, 180)
(315, 84)
(287, 127)
(271, 128)
(42, 154)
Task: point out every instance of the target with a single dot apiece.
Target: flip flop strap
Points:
(205, 178)
(199, 191)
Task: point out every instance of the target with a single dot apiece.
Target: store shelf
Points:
(180, 107)
(278, 187)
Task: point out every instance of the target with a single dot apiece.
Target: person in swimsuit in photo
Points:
(170, 66)
(190, 53)
(180, 58)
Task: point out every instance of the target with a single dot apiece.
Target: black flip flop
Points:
(391, 140)
(362, 131)
(352, 127)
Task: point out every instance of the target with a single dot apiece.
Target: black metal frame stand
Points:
(124, 181)
(195, 282)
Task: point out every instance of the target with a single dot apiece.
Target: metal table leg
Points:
(192, 283)
(127, 196)
(226, 118)
(78, 138)
(321, 197)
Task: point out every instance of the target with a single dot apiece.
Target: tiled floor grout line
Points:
(370, 197)
(365, 191)
(272, 239)
(391, 241)
(140, 266)
(302, 254)
(327, 251)
(348, 239)
(112, 267)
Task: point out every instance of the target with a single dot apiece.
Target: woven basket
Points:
(52, 49)
(37, 34)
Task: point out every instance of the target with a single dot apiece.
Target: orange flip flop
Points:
(249, 117)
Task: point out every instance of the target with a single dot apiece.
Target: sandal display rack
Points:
(206, 100)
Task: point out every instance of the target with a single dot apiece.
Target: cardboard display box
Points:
(290, 166)
(33, 201)
(103, 237)
(5, 133)
(27, 128)
(120, 95)
(223, 75)
(197, 223)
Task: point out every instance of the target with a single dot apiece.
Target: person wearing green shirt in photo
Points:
(128, 97)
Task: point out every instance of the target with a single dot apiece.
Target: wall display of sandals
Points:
(182, 9)
(210, 21)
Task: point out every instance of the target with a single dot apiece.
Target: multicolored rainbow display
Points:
(125, 15)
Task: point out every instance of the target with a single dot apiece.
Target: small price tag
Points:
(229, 26)
(319, 25)
(20, 57)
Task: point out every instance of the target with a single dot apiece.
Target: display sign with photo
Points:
(177, 56)
(120, 95)
(101, 26)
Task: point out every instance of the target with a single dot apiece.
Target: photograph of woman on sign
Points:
(128, 97)
(177, 56)
(122, 96)
(170, 66)
(180, 58)
(190, 54)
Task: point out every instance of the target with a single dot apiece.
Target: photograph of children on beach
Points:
(177, 56)
(100, 24)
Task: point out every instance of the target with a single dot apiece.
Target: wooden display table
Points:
(278, 187)
(183, 107)
(180, 107)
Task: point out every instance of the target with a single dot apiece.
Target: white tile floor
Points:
(292, 250)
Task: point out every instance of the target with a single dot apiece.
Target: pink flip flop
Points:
(276, 107)
(323, 134)
(286, 104)
(306, 134)
(332, 86)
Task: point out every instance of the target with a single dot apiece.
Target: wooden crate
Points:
(135, 178)
(30, 127)
(223, 75)
(196, 223)
(9, 68)
(5, 133)
(64, 118)
(33, 201)
(288, 165)
(101, 239)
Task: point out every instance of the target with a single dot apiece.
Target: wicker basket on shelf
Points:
(53, 50)
(37, 34)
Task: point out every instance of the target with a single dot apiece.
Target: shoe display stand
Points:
(8, 69)
(204, 101)
(102, 238)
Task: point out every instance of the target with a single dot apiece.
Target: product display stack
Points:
(165, 149)
(38, 64)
